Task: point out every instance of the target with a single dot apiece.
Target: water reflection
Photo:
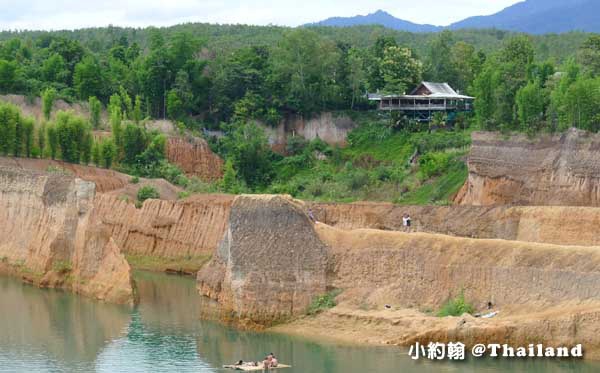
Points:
(45, 330)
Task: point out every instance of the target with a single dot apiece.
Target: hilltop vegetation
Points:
(200, 77)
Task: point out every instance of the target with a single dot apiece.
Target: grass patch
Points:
(62, 266)
(58, 170)
(188, 264)
(440, 189)
(456, 306)
(323, 302)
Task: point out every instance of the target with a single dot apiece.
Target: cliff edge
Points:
(270, 264)
(52, 237)
(561, 169)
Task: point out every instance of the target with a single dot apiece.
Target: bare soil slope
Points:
(562, 169)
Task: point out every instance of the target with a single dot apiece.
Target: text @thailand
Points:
(458, 351)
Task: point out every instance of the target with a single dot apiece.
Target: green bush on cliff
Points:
(456, 306)
(147, 192)
(323, 302)
(62, 266)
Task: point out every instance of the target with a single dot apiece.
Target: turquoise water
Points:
(54, 331)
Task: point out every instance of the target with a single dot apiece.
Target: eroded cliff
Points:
(269, 265)
(561, 169)
(563, 225)
(183, 229)
(194, 157)
(51, 235)
(545, 293)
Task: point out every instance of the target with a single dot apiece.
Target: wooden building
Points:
(426, 100)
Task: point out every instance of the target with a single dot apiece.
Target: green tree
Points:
(108, 152)
(532, 101)
(74, 137)
(357, 75)
(440, 66)
(582, 104)
(48, 97)
(401, 71)
(18, 140)
(97, 153)
(230, 182)
(134, 142)
(247, 147)
(127, 104)
(28, 135)
(154, 153)
(179, 99)
(52, 137)
(137, 110)
(88, 79)
(589, 55)
(8, 76)
(54, 69)
(41, 138)
(8, 117)
(95, 107)
(304, 65)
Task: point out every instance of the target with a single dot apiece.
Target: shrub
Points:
(456, 307)
(433, 164)
(323, 302)
(357, 179)
(62, 266)
(134, 180)
(184, 194)
(147, 192)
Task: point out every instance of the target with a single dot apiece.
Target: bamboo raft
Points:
(254, 369)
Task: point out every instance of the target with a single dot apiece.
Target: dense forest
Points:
(227, 77)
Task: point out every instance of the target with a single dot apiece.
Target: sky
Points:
(71, 14)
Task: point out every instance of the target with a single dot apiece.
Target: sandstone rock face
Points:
(106, 181)
(563, 225)
(331, 128)
(270, 264)
(424, 270)
(553, 170)
(49, 234)
(194, 157)
(166, 229)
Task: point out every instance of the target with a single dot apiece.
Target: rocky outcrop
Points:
(194, 157)
(106, 181)
(421, 269)
(329, 127)
(269, 265)
(559, 169)
(51, 236)
(563, 225)
(166, 229)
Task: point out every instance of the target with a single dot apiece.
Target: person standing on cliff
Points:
(406, 222)
(311, 215)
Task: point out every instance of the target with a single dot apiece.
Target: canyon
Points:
(519, 239)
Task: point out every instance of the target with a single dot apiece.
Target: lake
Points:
(53, 331)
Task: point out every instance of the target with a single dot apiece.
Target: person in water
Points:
(267, 363)
(274, 362)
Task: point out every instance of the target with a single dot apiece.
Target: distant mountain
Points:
(530, 16)
(378, 18)
(541, 17)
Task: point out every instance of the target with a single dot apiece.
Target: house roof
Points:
(438, 90)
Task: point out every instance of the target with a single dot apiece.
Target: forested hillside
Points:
(229, 77)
